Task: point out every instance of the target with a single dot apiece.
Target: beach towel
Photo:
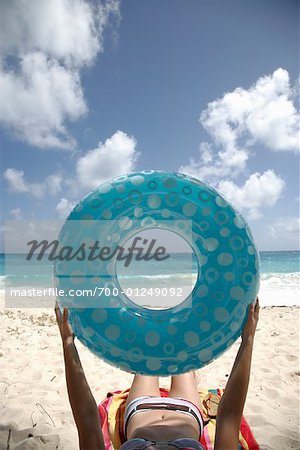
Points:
(112, 410)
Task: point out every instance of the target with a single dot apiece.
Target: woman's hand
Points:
(64, 326)
(250, 325)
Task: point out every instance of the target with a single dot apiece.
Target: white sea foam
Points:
(280, 289)
(175, 276)
(281, 279)
(2, 282)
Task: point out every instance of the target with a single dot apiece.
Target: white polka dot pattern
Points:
(190, 335)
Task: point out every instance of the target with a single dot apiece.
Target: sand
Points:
(34, 407)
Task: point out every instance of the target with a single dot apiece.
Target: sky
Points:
(91, 90)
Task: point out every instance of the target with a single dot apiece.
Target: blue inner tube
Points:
(184, 337)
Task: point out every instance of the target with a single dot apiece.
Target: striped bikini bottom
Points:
(147, 403)
(143, 444)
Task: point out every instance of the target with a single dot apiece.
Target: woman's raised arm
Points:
(84, 407)
(232, 403)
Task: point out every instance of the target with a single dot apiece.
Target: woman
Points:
(150, 421)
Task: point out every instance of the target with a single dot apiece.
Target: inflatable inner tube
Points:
(166, 341)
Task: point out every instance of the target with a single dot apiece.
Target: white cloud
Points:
(15, 179)
(116, 156)
(37, 100)
(44, 45)
(210, 167)
(53, 183)
(65, 29)
(264, 114)
(260, 190)
(64, 207)
(284, 226)
(16, 213)
(18, 184)
(285, 233)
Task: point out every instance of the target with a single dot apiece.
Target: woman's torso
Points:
(162, 425)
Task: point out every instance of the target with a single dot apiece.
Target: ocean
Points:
(279, 285)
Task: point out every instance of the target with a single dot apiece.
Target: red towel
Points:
(112, 409)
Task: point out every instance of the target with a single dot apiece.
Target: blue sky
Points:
(205, 87)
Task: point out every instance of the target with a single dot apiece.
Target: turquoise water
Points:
(179, 268)
(280, 262)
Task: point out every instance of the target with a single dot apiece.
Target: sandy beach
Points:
(34, 407)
